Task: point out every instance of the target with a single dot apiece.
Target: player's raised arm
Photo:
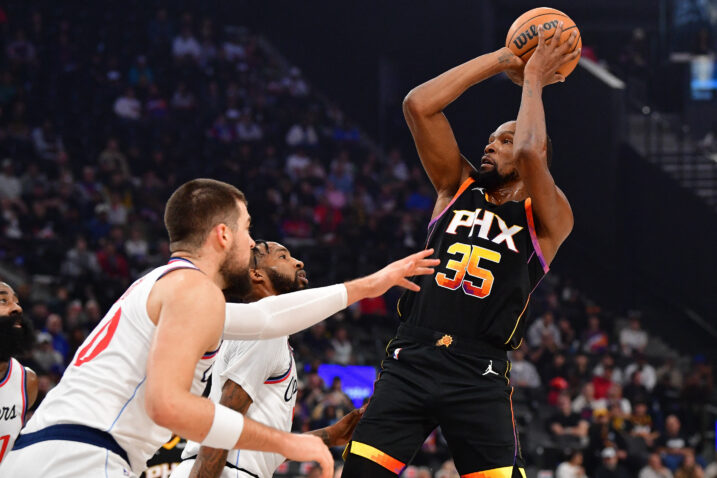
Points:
(423, 109)
(287, 314)
(553, 216)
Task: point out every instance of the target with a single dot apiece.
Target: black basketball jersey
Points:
(490, 264)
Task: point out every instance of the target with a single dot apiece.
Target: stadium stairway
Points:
(664, 140)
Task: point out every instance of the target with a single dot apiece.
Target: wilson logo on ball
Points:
(521, 40)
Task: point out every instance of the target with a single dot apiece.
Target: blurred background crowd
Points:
(99, 125)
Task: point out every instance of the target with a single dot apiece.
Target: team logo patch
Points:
(396, 352)
(444, 341)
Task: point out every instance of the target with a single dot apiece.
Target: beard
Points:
(237, 283)
(284, 284)
(491, 180)
(15, 341)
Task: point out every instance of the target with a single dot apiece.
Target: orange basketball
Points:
(522, 36)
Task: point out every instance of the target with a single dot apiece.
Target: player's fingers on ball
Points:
(541, 36)
(558, 34)
(573, 40)
(569, 44)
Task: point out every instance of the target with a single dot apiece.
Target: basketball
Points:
(522, 36)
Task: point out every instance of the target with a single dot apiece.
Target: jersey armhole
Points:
(460, 191)
(145, 299)
(24, 393)
(534, 235)
(169, 271)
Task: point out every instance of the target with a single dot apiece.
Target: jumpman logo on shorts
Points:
(490, 369)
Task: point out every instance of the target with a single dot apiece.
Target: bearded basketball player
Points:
(18, 385)
(259, 378)
(496, 226)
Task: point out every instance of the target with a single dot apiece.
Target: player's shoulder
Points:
(30, 374)
(185, 288)
(31, 386)
(186, 281)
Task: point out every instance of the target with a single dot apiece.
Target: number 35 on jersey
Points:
(464, 270)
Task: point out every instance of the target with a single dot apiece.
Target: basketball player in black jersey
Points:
(496, 227)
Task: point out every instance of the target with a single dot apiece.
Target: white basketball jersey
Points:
(104, 385)
(13, 403)
(266, 371)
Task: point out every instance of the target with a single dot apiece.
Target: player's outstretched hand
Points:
(341, 431)
(551, 54)
(310, 448)
(394, 274)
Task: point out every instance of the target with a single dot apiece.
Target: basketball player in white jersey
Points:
(139, 375)
(258, 378)
(18, 384)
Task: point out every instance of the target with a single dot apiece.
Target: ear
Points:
(223, 235)
(257, 276)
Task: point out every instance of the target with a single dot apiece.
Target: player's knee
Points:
(359, 467)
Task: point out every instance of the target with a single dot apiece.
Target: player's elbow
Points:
(413, 105)
(162, 409)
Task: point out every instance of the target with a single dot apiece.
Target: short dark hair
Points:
(196, 207)
(257, 253)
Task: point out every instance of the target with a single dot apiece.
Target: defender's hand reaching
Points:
(394, 274)
(341, 431)
(309, 448)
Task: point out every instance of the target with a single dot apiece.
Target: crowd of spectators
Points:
(99, 125)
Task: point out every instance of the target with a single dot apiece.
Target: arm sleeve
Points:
(285, 314)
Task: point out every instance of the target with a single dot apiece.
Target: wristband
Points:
(226, 428)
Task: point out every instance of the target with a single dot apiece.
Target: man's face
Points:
(564, 404)
(610, 462)
(16, 334)
(285, 272)
(673, 425)
(497, 166)
(9, 303)
(235, 266)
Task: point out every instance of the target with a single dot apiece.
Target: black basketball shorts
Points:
(424, 386)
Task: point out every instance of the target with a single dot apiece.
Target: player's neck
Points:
(513, 191)
(258, 292)
(205, 263)
(3, 368)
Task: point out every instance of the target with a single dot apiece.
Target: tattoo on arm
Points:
(322, 433)
(504, 58)
(210, 461)
(528, 89)
(234, 397)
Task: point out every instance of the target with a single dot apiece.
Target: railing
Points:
(666, 140)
